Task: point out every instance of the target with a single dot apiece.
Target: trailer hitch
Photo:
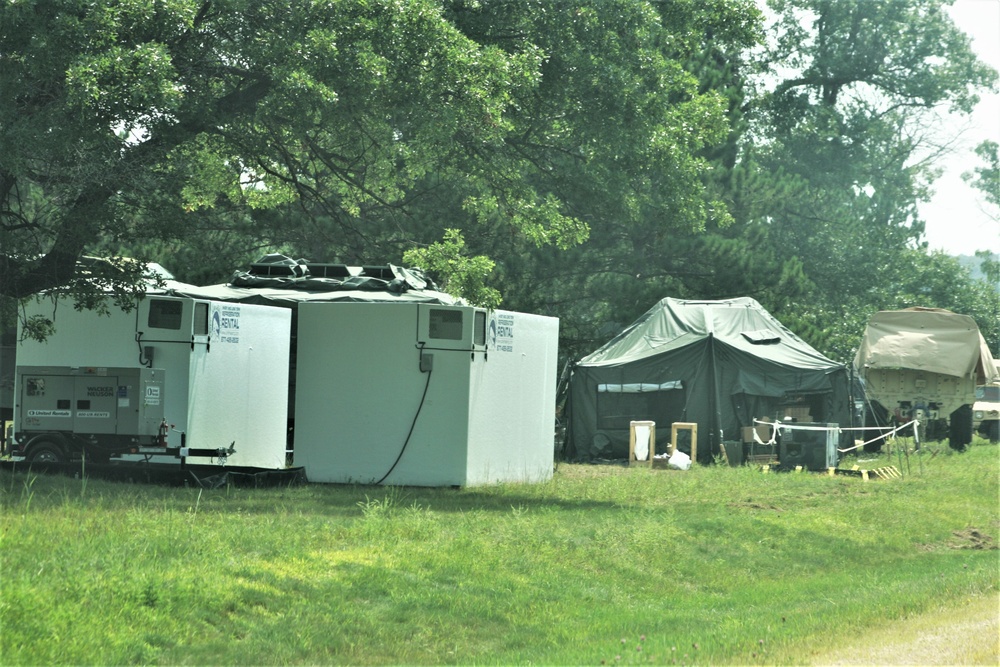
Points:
(219, 453)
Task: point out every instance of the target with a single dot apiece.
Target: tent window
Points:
(619, 404)
(638, 387)
(761, 337)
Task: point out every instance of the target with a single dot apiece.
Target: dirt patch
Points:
(972, 538)
(967, 634)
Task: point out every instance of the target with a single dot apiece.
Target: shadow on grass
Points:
(261, 492)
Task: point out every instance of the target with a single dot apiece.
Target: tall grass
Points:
(714, 565)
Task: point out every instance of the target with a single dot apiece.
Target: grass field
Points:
(603, 564)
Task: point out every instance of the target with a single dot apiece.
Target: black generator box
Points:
(812, 446)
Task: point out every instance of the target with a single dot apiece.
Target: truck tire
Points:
(46, 452)
(960, 432)
(993, 431)
(940, 429)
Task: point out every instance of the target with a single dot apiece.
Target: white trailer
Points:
(424, 394)
(224, 367)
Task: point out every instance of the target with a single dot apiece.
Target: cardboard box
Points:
(763, 432)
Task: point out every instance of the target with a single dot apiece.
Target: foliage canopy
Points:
(580, 160)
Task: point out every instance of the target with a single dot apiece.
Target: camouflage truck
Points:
(924, 364)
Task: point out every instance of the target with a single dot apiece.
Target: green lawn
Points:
(603, 563)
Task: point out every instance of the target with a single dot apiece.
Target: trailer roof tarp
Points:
(289, 296)
(279, 280)
(720, 364)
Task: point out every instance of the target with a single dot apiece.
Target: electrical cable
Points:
(148, 363)
(412, 424)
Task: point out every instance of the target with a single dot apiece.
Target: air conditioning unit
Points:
(811, 445)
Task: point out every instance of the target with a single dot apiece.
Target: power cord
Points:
(414, 422)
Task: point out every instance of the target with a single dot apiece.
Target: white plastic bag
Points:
(679, 461)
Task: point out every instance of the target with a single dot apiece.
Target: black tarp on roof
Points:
(277, 280)
(719, 364)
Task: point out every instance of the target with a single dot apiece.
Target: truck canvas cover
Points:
(927, 339)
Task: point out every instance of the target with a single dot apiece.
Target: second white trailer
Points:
(424, 394)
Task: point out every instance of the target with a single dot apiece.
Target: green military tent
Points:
(719, 364)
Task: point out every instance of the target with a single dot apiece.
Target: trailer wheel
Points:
(46, 452)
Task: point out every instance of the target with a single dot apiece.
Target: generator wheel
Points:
(46, 452)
